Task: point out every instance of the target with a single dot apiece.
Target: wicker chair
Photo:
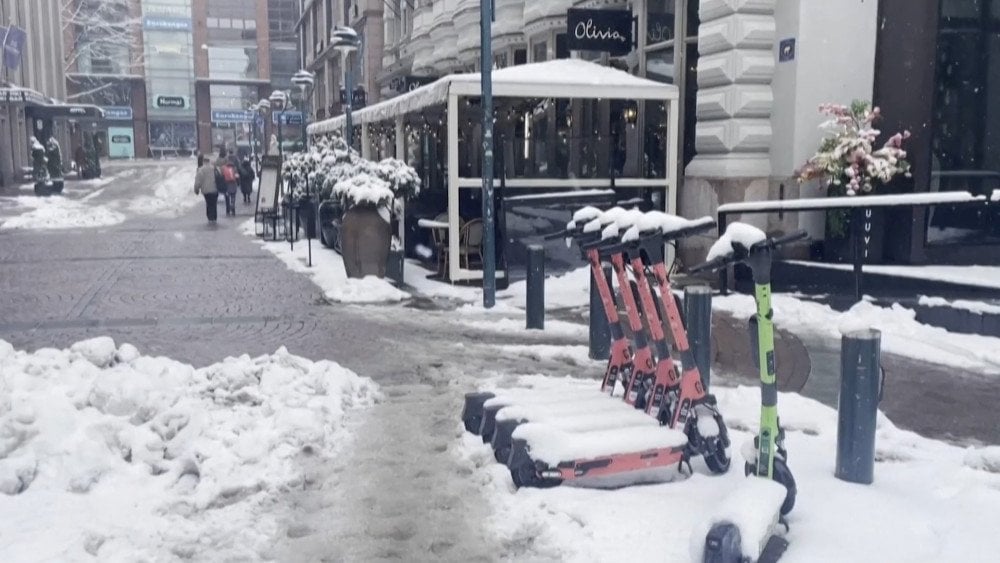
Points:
(470, 243)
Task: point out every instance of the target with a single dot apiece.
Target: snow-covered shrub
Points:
(53, 154)
(338, 172)
(39, 162)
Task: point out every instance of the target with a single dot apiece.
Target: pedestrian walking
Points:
(230, 176)
(205, 184)
(246, 178)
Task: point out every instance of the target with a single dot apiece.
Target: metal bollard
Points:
(860, 383)
(394, 266)
(534, 306)
(600, 332)
(698, 314)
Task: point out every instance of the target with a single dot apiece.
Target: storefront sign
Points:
(409, 83)
(117, 113)
(659, 28)
(232, 116)
(287, 117)
(600, 30)
(21, 95)
(13, 46)
(166, 23)
(358, 100)
(171, 102)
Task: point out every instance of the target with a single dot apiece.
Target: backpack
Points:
(229, 174)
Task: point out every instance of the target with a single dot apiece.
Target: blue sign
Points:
(260, 121)
(13, 47)
(117, 113)
(786, 50)
(166, 23)
(287, 117)
(232, 116)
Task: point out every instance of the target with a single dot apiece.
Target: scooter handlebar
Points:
(558, 234)
(712, 265)
(688, 231)
(793, 236)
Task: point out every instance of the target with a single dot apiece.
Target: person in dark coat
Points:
(246, 178)
(227, 173)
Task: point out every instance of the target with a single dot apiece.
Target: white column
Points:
(453, 226)
(735, 42)
(366, 142)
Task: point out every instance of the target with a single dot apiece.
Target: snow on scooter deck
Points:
(553, 446)
(753, 509)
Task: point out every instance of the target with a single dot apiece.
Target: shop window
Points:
(539, 52)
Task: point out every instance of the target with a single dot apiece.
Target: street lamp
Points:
(304, 80)
(278, 101)
(345, 40)
(261, 110)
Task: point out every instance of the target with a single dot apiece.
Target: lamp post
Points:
(345, 40)
(278, 101)
(304, 80)
(486, 81)
(263, 108)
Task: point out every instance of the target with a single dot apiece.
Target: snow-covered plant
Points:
(338, 172)
(847, 157)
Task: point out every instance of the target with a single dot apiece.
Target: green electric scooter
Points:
(767, 458)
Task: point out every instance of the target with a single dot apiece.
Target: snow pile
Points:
(571, 289)
(931, 501)
(328, 273)
(979, 276)
(110, 454)
(978, 307)
(59, 212)
(172, 195)
(737, 234)
(901, 333)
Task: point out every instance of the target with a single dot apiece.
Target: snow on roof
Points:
(561, 78)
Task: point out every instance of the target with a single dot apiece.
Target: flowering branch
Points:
(847, 156)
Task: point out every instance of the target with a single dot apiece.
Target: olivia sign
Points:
(599, 30)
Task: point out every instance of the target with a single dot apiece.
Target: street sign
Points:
(117, 113)
(287, 118)
(786, 50)
(599, 30)
(232, 116)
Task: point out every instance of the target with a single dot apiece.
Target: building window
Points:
(539, 52)
(520, 56)
(233, 63)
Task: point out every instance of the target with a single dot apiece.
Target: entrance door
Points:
(121, 142)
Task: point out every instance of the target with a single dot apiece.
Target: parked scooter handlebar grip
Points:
(715, 264)
(793, 236)
(558, 234)
(688, 231)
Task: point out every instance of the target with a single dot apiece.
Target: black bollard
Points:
(698, 315)
(860, 381)
(600, 332)
(394, 267)
(534, 306)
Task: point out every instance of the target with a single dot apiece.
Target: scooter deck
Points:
(555, 447)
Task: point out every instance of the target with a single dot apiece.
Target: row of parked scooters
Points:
(664, 417)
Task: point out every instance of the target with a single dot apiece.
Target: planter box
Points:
(365, 242)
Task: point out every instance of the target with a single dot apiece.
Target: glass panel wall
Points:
(966, 129)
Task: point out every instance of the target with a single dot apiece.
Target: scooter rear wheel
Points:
(716, 457)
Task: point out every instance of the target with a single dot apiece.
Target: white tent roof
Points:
(563, 78)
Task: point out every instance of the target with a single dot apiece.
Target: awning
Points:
(563, 78)
(22, 95)
(73, 111)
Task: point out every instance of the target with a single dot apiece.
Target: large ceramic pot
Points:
(365, 239)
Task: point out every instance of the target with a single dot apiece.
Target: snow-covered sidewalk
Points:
(169, 196)
(106, 453)
(980, 276)
(930, 501)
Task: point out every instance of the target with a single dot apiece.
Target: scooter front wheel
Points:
(716, 457)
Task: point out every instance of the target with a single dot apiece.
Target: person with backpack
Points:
(205, 184)
(230, 180)
(246, 178)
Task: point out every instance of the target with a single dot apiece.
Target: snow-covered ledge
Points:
(736, 64)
